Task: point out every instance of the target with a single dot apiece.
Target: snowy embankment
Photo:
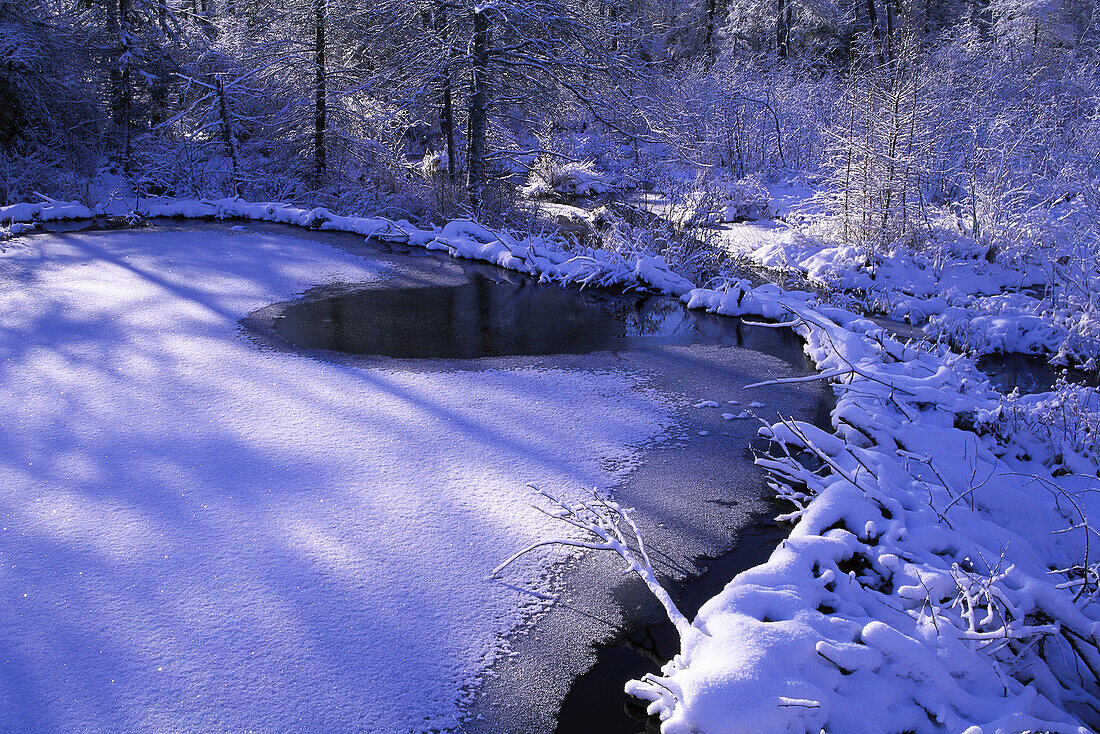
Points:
(466, 239)
(954, 288)
(941, 574)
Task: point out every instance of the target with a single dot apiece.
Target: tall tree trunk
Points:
(123, 83)
(448, 124)
(127, 121)
(446, 110)
(478, 123)
(889, 30)
(708, 43)
(876, 32)
(784, 17)
(227, 136)
(320, 107)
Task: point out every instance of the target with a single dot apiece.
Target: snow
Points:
(1020, 323)
(199, 534)
(978, 305)
(534, 255)
(47, 211)
(569, 180)
(932, 558)
(937, 575)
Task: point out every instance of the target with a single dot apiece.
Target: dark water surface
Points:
(1030, 373)
(491, 317)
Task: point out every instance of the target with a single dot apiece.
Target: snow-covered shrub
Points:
(937, 578)
(65, 172)
(1064, 426)
(551, 178)
(746, 199)
(1021, 323)
(694, 253)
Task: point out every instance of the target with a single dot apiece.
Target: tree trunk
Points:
(448, 123)
(478, 122)
(708, 43)
(227, 136)
(876, 32)
(889, 30)
(127, 122)
(446, 110)
(783, 18)
(320, 107)
(123, 101)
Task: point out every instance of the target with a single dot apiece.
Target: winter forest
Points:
(907, 190)
(947, 128)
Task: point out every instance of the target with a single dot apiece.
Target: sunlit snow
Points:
(199, 534)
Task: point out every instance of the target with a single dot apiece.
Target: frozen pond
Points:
(289, 525)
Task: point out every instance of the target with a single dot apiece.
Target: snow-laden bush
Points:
(551, 178)
(694, 253)
(1021, 323)
(1064, 426)
(746, 199)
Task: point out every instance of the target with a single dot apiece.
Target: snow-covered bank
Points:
(938, 575)
(537, 256)
(961, 290)
(200, 535)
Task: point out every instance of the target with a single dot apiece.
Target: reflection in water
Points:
(486, 318)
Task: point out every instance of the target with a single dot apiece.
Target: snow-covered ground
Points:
(197, 534)
(955, 289)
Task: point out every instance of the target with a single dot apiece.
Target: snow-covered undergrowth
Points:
(1018, 322)
(566, 180)
(941, 574)
(978, 301)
